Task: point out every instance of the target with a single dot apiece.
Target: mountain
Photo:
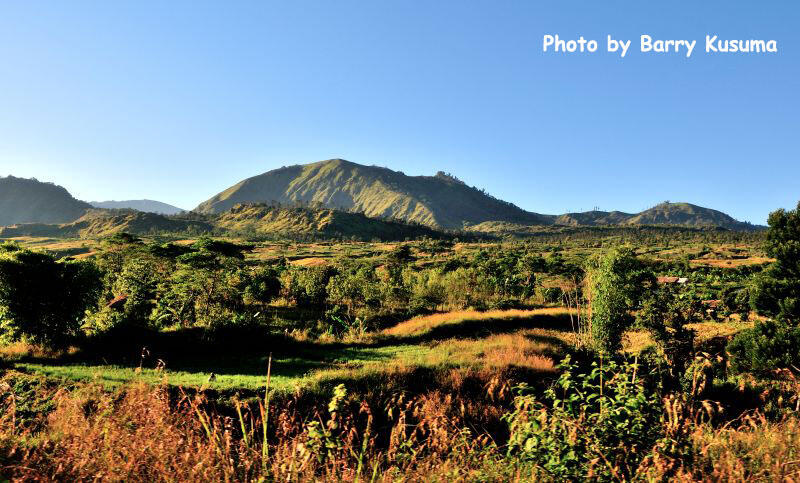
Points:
(32, 201)
(262, 219)
(242, 219)
(593, 218)
(100, 223)
(687, 214)
(440, 201)
(149, 206)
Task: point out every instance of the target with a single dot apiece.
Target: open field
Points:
(398, 361)
(534, 340)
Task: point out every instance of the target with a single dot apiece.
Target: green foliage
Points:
(665, 315)
(776, 292)
(308, 286)
(598, 424)
(324, 440)
(355, 287)
(43, 299)
(263, 285)
(618, 282)
(552, 295)
(765, 347)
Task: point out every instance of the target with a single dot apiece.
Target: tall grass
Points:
(147, 433)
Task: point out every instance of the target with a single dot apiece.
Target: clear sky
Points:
(176, 101)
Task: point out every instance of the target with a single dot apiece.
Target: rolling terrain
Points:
(265, 219)
(32, 201)
(102, 223)
(149, 206)
(440, 201)
(334, 198)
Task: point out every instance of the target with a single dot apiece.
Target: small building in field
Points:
(672, 280)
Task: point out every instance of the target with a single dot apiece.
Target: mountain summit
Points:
(147, 206)
(440, 201)
(32, 201)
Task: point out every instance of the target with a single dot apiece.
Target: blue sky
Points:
(176, 101)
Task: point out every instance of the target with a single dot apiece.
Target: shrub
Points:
(767, 346)
(599, 424)
(776, 292)
(552, 295)
(43, 299)
(617, 282)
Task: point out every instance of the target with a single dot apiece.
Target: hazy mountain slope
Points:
(593, 218)
(266, 219)
(437, 201)
(686, 214)
(31, 201)
(149, 206)
(101, 223)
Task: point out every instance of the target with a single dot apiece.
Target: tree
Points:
(617, 283)
(665, 315)
(43, 299)
(776, 291)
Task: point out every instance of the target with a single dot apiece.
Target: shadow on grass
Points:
(244, 350)
(482, 328)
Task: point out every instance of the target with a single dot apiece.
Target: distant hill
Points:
(593, 218)
(101, 223)
(440, 201)
(32, 201)
(242, 219)
(149, 206)
(687, 214)
(272, 220)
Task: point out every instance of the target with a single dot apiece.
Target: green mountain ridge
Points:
(262, 219)
(440, 201)
(333, 198)
(98, 223)
(242, 219)
(32, 201)
(149, 206)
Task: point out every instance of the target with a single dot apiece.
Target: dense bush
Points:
(767, 346)
(45, 300)
(776, 292)
(618, 281)
(600, 423)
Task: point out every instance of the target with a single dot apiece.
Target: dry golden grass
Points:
(723, 263)
(419, 325)
(637, 340)
(310, 262)
(19, 349)
(758, 451)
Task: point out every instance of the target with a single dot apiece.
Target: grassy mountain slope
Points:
(101, 223)
(593, 218)
(439, 201)
(686, 214)
(272, 220)
(149, 206)
(31, 201)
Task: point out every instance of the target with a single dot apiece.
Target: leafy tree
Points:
(665, 315)
(776, 291)
(308, 286)
(43, 299)
(354, 287)
(590, 425)
(263, 285)
(617, 283)
(765, 347)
